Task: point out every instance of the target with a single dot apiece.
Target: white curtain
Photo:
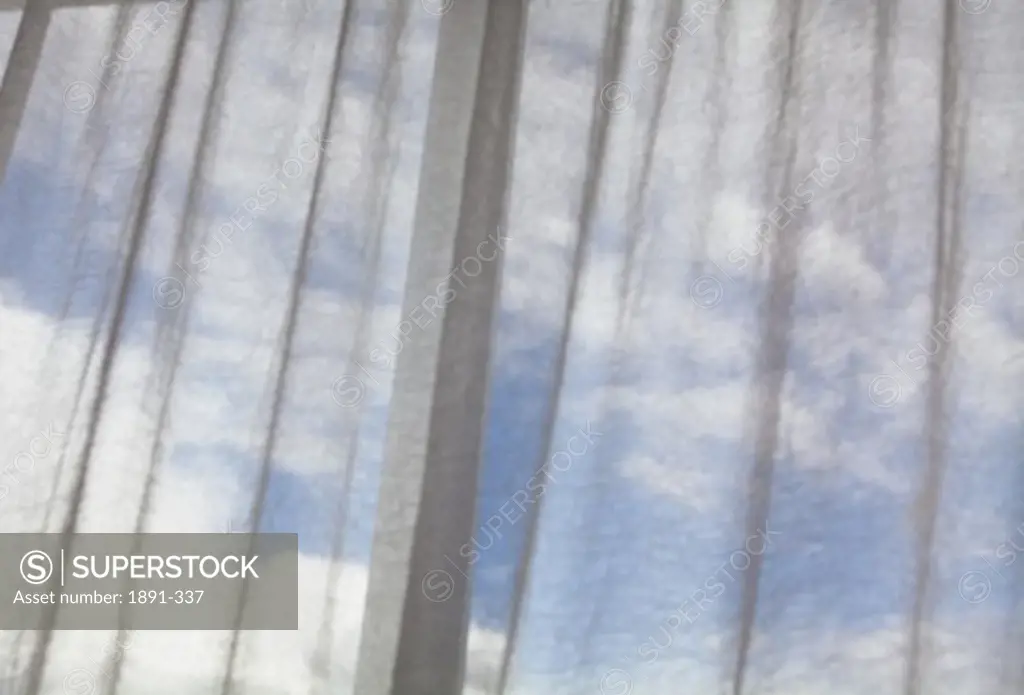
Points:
(590, 346)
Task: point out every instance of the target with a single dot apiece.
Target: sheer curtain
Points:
(590, 346)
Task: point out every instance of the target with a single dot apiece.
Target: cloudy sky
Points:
(652, 510)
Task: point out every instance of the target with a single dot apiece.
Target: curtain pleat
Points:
(598, 234)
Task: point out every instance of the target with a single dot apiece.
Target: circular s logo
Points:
(80, 681)
(348, 391)
(437, 7)
(974, 586)
(438, 586)
(706, 292)
(168, 293)
(79, 97)
(617, 682)
(974, 6)
(36, 567)
(616, 97)
(884, 391)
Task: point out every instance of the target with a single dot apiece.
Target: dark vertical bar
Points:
(20, 73)
(417, 607)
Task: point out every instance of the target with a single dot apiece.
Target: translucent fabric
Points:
(590, 346)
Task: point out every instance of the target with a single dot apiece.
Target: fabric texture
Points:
(590, 346)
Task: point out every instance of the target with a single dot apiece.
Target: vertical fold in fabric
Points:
(20, 73)
(417, 605)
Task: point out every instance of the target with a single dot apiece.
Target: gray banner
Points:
(149, 581)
